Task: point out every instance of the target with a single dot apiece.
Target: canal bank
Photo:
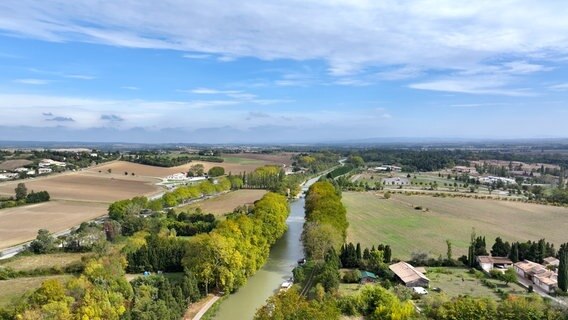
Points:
(283, 257)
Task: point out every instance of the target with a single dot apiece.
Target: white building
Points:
(44, 170)
(48, 163)
(538, 274)
(493, 179)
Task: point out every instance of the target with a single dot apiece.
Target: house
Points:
(48, 163)
(368, 277)
(44, 170)
(493, 179)
(538, 274)
(488, 263)
(547, 281)
(464, 169)
(409, 275)
(551, 261)
(387, 168)
(21, 169)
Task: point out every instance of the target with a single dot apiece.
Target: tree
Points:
(216, 171)
(509, 276)
(500, 248)
(387, 195)
(563, 271)
(449, 251)
(21, 191)
(43, 243)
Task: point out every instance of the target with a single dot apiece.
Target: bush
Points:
(352, 276)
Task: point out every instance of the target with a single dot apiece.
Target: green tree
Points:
(216, 171)
(509, 276)
(449, 250)
(43, 243)
(21, 191)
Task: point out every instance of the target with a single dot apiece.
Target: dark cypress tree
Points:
(514, 255)
(563, 271)
(366, 254)
(387, 254)
(358, 252)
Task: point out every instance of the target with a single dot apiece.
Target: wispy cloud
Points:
(79, 76)
(133, 88)
(198, 56)
(559, 87)
(478, 86)
(34, 82)
(350, 35)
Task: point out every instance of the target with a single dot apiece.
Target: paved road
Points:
(205, 308)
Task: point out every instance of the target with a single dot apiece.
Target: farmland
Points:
(84, 195)
(20, 224)
(275, 158)
(395, 221)
(226, 202)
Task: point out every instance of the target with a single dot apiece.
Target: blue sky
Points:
(286, 71)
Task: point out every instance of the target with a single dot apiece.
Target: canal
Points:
(283, 257)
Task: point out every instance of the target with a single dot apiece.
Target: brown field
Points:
(227, 202)
(54, 260)
(119, 167)
(13, 164)
(13, 289)
(22, 223)
(86, 186)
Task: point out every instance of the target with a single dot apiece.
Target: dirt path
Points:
(198, 309)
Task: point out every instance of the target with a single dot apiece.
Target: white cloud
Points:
(133, 88)
(197, 56)
(212, 91)
(32, 81)
(349, 35)
(482, 85)
(79, 76)
(559, 87)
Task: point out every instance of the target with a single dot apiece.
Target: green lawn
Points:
(458, 281)
(239, 160)
(375, 220)
(13, 289)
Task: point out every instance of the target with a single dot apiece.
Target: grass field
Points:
(13, 289)
(26, 263)
(458, 281)
(227, 202)
(375, 220)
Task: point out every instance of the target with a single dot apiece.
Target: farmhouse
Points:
(551, 261)
(488, 263)
(368, 277)
(387, 168)
(492, 179)
(463, 169)
(48, 163)
(538, 274)
(44, 170)
(409, 275)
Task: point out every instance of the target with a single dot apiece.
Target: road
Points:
(205, 308)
